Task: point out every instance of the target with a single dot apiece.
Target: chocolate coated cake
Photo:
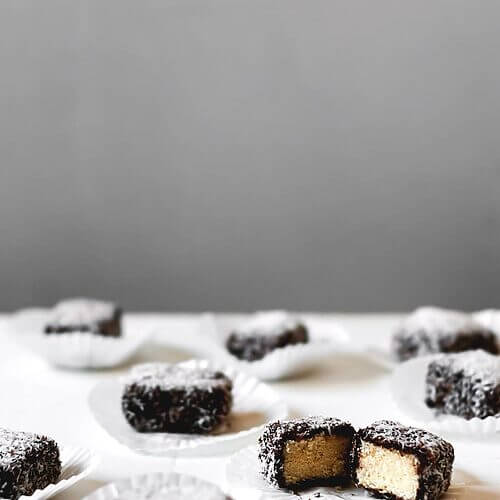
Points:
(27, 462)
(465, 384)
(396, 462)
(431, 330)
(307, 451)
(85, 315)
(162, 397)
(264, 333)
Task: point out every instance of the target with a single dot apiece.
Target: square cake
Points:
(163, 397)
(465, 384)
(396, 462)
(431, 330)
(85, 315)
(307, 451)
(27, 462)
(264, 333)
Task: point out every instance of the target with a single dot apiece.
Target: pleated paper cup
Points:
(159, 486)
(280, 363)
(408, 390)
(254, 405)
(75, 349)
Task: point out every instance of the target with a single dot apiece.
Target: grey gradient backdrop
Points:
(241, 154)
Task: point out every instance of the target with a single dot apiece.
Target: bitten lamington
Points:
(305, 452)
(162, 397)
(431, 330)
(85, 315)
(465, 384)
(264, 333)
(401, 463)
(27, 462)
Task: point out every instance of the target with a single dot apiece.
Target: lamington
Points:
(27, 462)
(85, 315)
(396, 462)
(465, 384)
(265, 332)
(431, 330)
(305, 452)
(179, 398)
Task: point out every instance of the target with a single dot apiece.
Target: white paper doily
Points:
(254, 405)
(158, 486)
(243, 472)
(74, 350)
(283, 362)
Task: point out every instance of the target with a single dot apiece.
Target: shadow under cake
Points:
(27, 462)
(265, 332)
(179, 398)
(396, 462)
(85, 315)
(430, 330)
(308, 451)
(465, 384)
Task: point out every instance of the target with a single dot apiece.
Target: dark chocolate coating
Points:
(272, 444)
(415, 338)
(455, 391)
(160, 406)
(27, 462)
(435, 456)
(107, 324)
(254, 347)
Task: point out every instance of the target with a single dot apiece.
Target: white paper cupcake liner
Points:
(244, 473)
(74, 350)
(158, 486)
(77, 463)
(324, 343)
(408, 390)
(254, 404)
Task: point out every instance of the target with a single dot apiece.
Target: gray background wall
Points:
(240, 154)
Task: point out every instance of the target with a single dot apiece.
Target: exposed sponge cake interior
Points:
(388, 471)
(315, 459)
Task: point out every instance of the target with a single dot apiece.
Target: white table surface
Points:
(54, 401)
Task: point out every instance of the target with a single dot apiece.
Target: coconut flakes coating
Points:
(465, 384)
(85, 315)
(431, 330)
(27, 462)
(265, 332)
(275, 436)
(163, 397)
(435, 455)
